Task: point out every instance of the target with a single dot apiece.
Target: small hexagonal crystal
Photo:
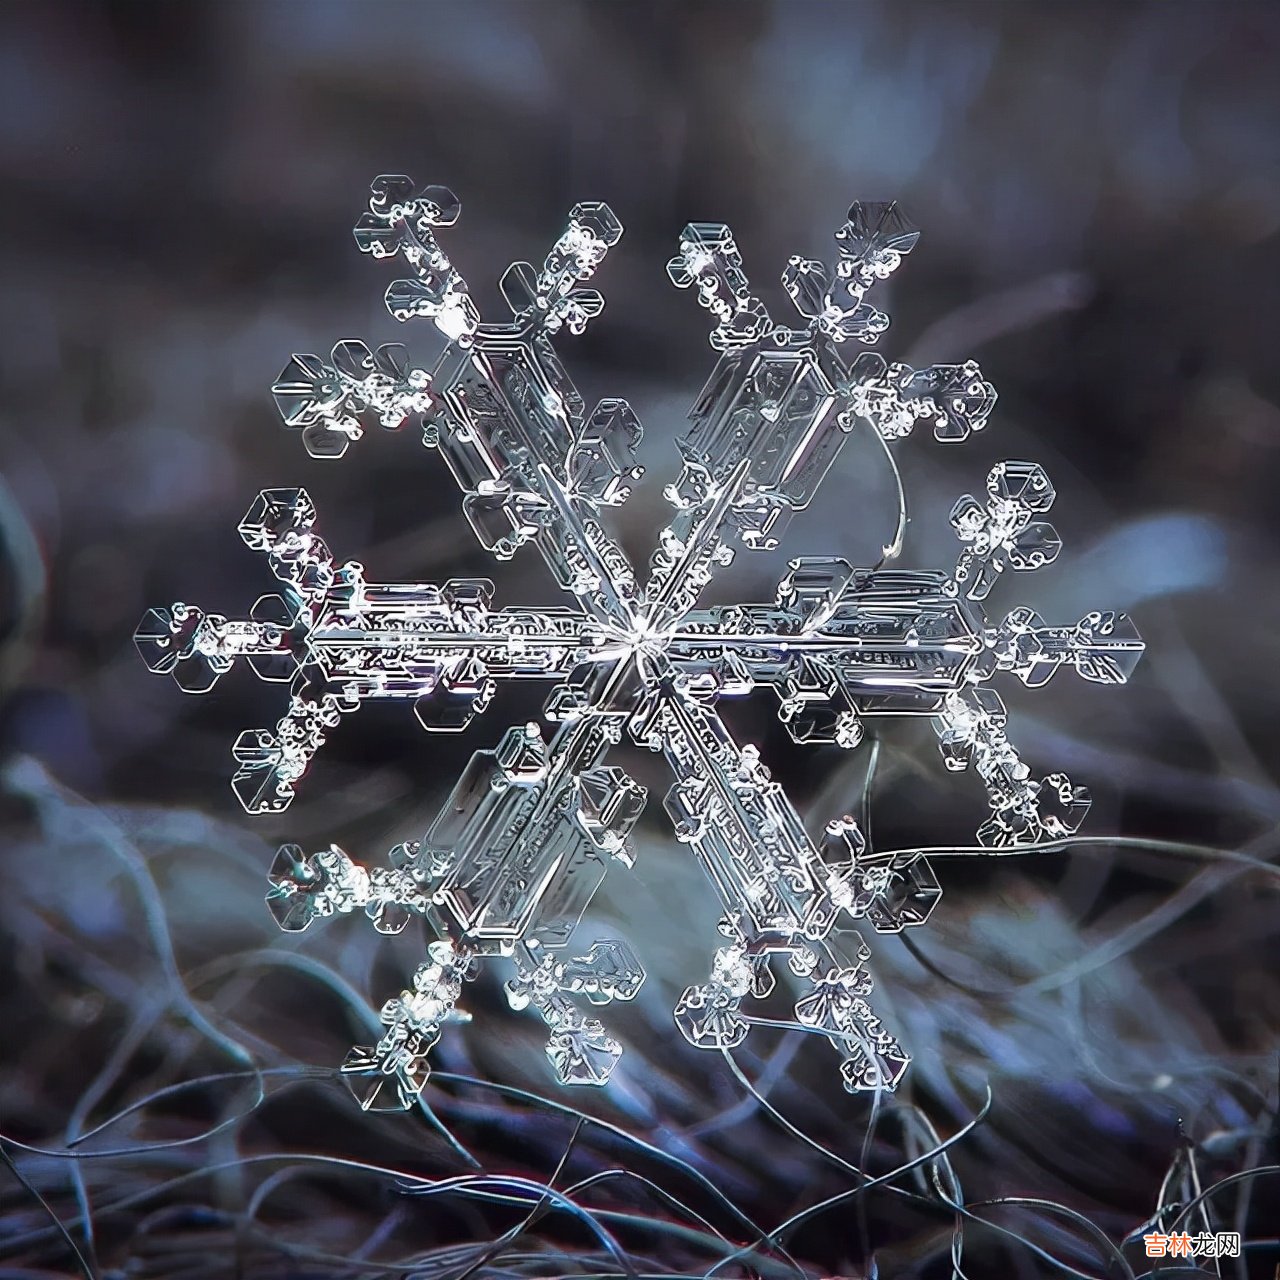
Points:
(599, 219)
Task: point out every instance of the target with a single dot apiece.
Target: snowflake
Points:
(509, 864)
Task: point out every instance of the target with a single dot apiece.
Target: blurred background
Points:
(1099, 189)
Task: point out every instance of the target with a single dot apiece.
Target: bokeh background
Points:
(1099, 189)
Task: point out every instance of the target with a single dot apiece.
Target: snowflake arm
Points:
(532, 464)
(339, 640)
(778, 893)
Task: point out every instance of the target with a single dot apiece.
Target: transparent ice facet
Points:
(506, 869)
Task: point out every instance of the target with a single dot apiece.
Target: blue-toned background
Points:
(1099, 191)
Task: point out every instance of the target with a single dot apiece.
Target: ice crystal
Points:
(510, 862)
